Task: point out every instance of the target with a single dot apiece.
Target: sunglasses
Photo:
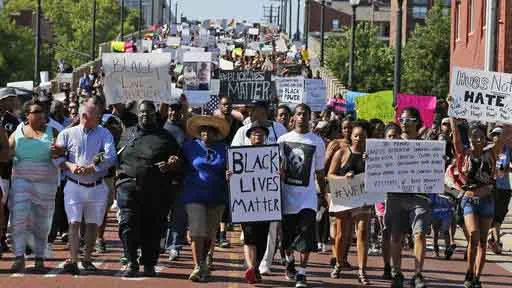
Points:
(36, 112)
(406, 120)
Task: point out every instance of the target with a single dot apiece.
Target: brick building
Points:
(468, 34)
(334, 19)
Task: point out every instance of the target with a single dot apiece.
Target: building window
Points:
(335, 24)
(419, 12)
(457, 20)
(471, 16)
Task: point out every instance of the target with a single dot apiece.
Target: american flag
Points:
(211, 105)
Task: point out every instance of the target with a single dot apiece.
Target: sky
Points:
(250, 10)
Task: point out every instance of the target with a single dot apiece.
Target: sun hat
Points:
(198, 121)
(257, 125)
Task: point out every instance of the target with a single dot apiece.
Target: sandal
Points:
(363, 279)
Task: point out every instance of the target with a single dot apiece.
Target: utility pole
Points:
(278, 16)
(306, 21)
(352, 50)
(37, 39)
(176, 13)
(297, 35)
(93, 44)
(398, 52)
(122, 20)
(140, 23)
(270, 17)
(290, 21)
(152, 12)
(322, 33)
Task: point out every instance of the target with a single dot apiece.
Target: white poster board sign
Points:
(404, 166)
(315, 95)
(136, 76)
(291, 89)
(147, 45)
(255, 185)
(347, 194)
(480, 95)
(253, 31)
(226, 65)
(173, 41)
(196, 76)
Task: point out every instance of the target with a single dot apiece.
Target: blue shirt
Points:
(82, 146)
(205, 173)
(502, 163)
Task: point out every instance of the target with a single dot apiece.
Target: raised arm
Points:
(456, 137)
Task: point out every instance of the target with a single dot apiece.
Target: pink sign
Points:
(425, 104)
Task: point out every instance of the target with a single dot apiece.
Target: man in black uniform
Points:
(148, 163)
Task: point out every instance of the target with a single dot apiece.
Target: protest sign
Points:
(173, 41)
(196, 76)
(480, 95)
(290, 89)
(255, 185)
(425, 104)
(147, 45)
(253, 31)
(376, 105)
(245, 86)
(225, 64)
(404, 166)
(350, 99)
(315, 94)
(348, 194)
(132, 77)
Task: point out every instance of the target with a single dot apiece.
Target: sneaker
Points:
(476, 283)
(264, 270)
(448, 252)
(130, 271)
(398, 280)
(250, 276)
(48, 252)
(345, 266)
(101, 247)
(335, 274)
(325, 248)
(332, 262)
(209, 262)
(195, 276)
(300, 281)
(64, 238)
(290, 270)
(174, 255)
(123, 260)
(418, 281)
(71, 268)
(468, 280)
(436, 251)
(387, 272)
(224, 243)
(149, 271)
(88, 266)
(19, 265)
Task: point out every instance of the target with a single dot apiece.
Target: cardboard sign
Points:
(404, 166)
(290, 89)
(133, 77)
(425, 104)
(347, 194)
(255, 185)
(253, 31)
(243, 87)
(315, 95)
(480, 95)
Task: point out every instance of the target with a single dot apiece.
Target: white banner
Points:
(348, 194)
(255, 185)
(480, 95)
(404, 166)
(290, 89)
(315, 95)
(173, 41)
(136, 76)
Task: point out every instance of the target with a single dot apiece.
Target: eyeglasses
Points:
(36, 112)
(406, 120)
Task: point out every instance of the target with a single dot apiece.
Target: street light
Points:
(93, 44)
(354, 4)
(322, 32)
(398, 52)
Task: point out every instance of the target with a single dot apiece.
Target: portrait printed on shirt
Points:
(299, 161)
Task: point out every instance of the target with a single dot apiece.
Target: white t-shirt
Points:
(303, 155)
(274, 132)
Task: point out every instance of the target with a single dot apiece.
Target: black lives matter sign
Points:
(255, 185)
(246, 86)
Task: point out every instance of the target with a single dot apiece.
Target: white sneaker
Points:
(264, 270)
(242, 236)
(325, 248)
(48, 253)
(114, 206)
(320, 246)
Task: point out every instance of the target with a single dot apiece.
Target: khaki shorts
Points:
(203, 221)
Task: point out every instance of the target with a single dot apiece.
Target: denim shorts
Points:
(483, 207)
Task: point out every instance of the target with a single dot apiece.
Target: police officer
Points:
(148, 165)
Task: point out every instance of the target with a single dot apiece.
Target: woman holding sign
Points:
(347, 163)
(474, 181)
(204, 187)
(255, 233)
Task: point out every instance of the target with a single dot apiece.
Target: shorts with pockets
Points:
(403, 212)
(299, 231)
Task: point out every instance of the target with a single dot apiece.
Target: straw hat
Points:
(198, 121)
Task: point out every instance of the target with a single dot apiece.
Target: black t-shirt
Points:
(9, 122)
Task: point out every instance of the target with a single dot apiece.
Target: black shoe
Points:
(39, 265)
(387, 272)
(123, 260)
(398, 280)
(290, 270)
(149, 271)
(71, 268)
(468, 280)
(101, 246)
(300, 281)
(130, 271)
(476, 283)
(88, 266)
(449, 251)
(418, 281)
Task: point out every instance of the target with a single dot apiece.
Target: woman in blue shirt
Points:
(204, 193)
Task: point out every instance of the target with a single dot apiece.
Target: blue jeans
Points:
(176, 227)
(483, 207)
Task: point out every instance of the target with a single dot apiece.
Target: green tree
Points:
(373, 59)
(426, 61)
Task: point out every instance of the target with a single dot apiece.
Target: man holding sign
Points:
(268, 188)
(304, 156)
